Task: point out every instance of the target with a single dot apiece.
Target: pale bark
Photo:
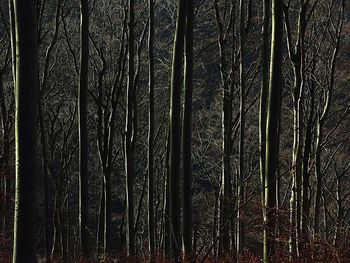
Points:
(129, 130)
(83, 131)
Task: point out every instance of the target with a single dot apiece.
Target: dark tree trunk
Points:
(151, 234)
(274, 110)
(26, 92)
(175, 132)
(187, 136)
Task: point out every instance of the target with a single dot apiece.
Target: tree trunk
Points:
(263, 95)
(26, 91)
(240, 224)
(83, 132)
(151, 233)
(273, 115)
(305, 168)
(129, 152)
(225, 195)
(166, 200)
(321, 121)
(175, 132)
(297, 58)
(187, 136)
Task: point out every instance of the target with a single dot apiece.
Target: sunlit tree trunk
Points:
(273, 115)
(322, 119)
(264, 93)
(296, 55)
(26, 92)
(129, 130)
(225, 198)
(166, 208)
(83, 131)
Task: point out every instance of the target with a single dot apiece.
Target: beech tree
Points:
(83, 131)
(26, 92)
(130, 134)
(187, 135)
(167, 163)
(273, 115)
(175, 132)
(151, 219)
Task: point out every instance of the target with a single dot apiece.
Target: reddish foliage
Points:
(5, 257)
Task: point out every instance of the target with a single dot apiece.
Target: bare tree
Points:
(83, 131)
(26, 87)
(130, 135)
(273, 115)
(175, 132)
(187, 135)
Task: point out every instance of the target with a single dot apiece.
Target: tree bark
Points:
(187, 136)
(26, 92)
(129, 152)
(273, 115)
(151, 221)
(225, 199)
(83, 132)
(175, 132)
(240, 223)
(298, 64)
(264, 94)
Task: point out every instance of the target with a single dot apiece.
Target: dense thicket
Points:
(197, 130)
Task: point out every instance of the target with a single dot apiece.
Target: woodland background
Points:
(231, 57)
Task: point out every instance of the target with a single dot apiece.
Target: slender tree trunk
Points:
(187, 136)
(274, 110)
(175, 132)
(263, 94)
(297, 58)
(129, 158)
(166, 201)
(107, 210)
(151, 221)
(322, 118)
(305, 168)
(26, 91)
(56, 252)
(83, 132)
(240, 224)
(224, 207)
(101, 221)
(216, 225)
